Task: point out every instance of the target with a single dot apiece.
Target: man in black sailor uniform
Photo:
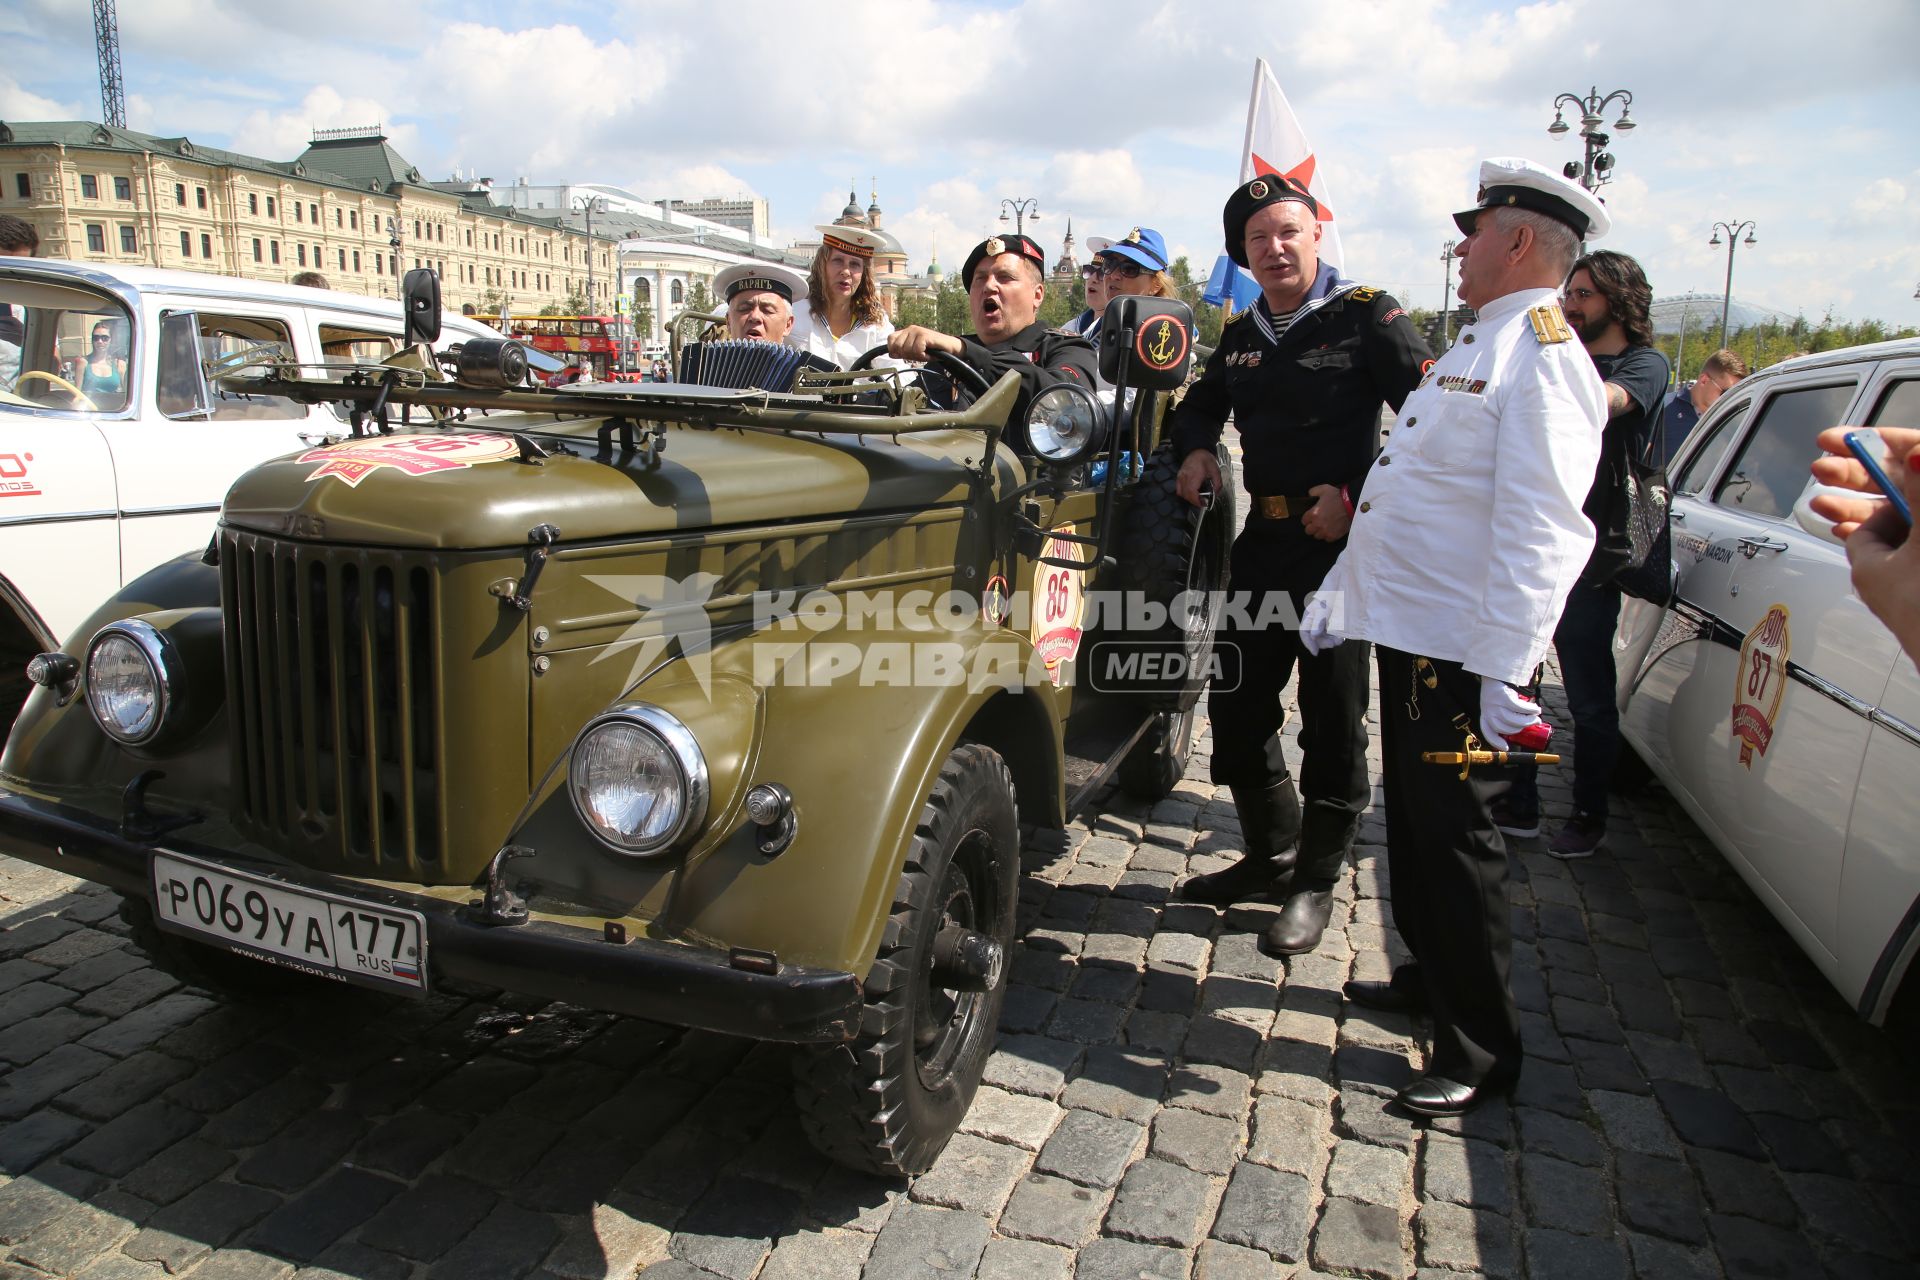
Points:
(1304, 371)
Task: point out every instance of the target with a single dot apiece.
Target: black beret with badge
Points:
(994, 246)
(1250, 198)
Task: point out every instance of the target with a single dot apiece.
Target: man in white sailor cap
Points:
(1457, 566)
(759, 298)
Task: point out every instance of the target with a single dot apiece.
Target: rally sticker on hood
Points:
(417, 454)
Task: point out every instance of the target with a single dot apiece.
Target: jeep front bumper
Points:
(668, 982)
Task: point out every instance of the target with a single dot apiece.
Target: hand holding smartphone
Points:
(1863, 447)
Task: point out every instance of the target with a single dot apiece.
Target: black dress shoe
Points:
(1439, 1096)
(1389, 997)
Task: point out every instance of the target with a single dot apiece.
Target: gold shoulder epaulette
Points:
(1365, 293)
(1237, 314)
(1550, 324)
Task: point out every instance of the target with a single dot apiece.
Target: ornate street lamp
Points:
(1028, 207)
(1446, 291)
(590, 205)
(393, 243)
(1596, 169)
(1733, 230)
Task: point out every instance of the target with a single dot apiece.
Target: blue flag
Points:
(1229, 286)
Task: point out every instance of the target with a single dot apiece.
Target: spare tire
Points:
(1171, 568)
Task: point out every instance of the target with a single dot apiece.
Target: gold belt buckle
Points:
(1274, 506)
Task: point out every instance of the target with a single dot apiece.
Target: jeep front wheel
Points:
(888, 1101)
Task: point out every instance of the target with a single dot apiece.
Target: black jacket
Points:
(1307, 408)
(1041, 356)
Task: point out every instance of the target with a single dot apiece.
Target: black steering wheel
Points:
(953, 366)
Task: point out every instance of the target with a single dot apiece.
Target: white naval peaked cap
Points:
(760, 277)
(1510, 181)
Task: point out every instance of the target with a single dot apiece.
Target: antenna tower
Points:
(106, 36)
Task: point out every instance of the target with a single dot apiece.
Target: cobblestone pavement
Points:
(1165, 1102)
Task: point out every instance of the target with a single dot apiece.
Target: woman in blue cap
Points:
(1136, 263)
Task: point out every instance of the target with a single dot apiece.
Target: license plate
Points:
(305, 929)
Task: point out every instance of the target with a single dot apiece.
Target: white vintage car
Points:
(1772, 704)
(113, 454)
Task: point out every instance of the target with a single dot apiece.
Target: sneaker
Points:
(1578, 836)
(1512, 821)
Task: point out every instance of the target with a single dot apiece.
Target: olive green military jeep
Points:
(721, 708)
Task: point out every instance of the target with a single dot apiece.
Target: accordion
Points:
(743, 365)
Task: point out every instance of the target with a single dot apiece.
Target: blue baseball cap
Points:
(1142, 245)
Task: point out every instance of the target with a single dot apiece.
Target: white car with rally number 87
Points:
(1767, 698)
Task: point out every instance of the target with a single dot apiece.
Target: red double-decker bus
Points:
(586, 340)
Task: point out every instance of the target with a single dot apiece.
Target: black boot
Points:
(1302, 921)
(1270, 822)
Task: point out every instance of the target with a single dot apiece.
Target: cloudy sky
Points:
(1118, 112)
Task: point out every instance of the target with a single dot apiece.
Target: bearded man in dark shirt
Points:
(1608, 303)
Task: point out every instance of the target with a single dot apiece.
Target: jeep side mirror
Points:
(421, 292)
(1152, 337)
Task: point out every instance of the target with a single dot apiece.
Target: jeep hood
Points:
(469, 488)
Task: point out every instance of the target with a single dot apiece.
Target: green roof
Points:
(364, 163)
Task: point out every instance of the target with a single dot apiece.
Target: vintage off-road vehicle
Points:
(717, 707)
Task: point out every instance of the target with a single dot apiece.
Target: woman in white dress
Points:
(841, 318)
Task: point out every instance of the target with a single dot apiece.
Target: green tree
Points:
(1771, 342)
(1208, 320)
(699, 299)
(917, 309)
(1064, 300)
(951, 313)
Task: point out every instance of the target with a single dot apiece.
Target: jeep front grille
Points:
(333, 695)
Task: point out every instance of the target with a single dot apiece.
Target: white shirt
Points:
(1469, 533)
(813, 335)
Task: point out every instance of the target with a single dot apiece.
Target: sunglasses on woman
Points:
(1125, 270)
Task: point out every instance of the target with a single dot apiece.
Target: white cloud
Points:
(282, 135)
(1102, 182)
(17, 103)
(955, 104)
(543, 101)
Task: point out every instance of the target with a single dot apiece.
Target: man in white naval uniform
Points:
(1457, 568)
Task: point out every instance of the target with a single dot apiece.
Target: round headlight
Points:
(638, 780)
(1063, 423)
(127, 681)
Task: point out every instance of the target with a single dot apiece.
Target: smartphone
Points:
(1862, 443)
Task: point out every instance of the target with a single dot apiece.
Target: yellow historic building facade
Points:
(347, 207)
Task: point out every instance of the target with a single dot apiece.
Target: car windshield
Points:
(62, 348)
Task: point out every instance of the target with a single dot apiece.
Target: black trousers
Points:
(1448, 866)
(1255, 664)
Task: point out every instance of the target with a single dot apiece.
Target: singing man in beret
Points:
(1006, 283)
(1304, 371)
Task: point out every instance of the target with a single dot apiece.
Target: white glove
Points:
(1507, 715)
(1315, 634)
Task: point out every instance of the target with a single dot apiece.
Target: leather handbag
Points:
(1649, 571)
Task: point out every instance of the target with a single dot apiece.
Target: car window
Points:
(223, 336)
(1899, 405)
(1713, 447)
(49, 358)
(1770, 471)
(360, 346)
